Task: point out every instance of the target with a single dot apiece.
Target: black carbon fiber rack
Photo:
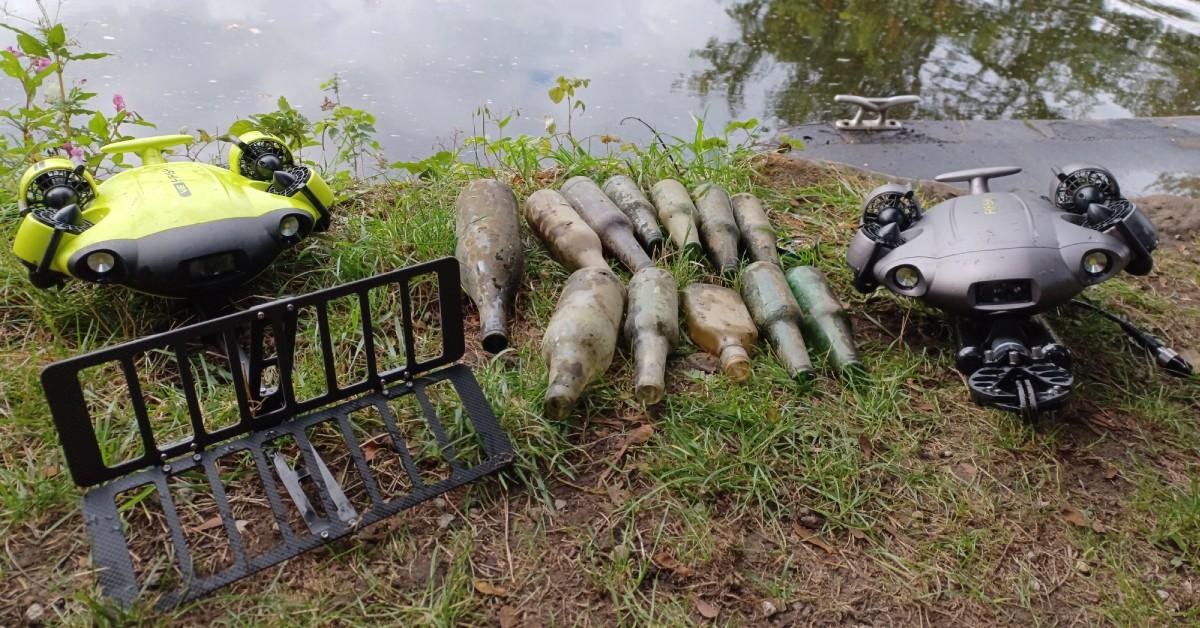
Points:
(266, 416)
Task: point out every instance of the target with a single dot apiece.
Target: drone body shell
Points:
(159, 217)
(993, 253)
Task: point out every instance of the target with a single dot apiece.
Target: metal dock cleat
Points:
(878, 106)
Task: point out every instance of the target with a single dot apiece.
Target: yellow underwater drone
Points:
(174, 229)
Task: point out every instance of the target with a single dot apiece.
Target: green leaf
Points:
(283, 104)
(41, 76)
(31, 46)
(90, 55)
(241, 126)
(11, 65)
(98, 125)
(580, 106)
(413, 167)
(556, 94)
(503, 122)
(56, 37)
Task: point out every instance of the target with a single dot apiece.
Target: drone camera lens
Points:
(101, 262)
(907, 277)
(1096, 263)
(289, 227)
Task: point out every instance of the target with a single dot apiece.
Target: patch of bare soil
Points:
(783, 171)
(1176, 217)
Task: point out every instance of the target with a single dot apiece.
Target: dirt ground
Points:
(910, 507)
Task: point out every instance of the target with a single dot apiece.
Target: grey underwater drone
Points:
(995, 261)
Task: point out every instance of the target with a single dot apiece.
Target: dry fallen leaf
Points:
(965, 471)
(699, 361)
(214, 522)
(371, 449)
(810, 537)
(640, 435)
(616, 495)
(666, 562)
(707, 610)
(1076, 518)
(864, 443)
(508, 617)
(487, 588)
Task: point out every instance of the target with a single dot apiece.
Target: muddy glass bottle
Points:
(490, 255)
(718, 322)
(581, 337)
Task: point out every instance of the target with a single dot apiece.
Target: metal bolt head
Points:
(166, 468)
(324, 534)
(261, 315)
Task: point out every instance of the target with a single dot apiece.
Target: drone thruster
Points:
(175, 229)
(997, 261)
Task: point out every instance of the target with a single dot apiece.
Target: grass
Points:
(890, 500)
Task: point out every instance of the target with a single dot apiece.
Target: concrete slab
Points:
(1148, 155)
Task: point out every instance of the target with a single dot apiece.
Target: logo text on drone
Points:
(180, 186)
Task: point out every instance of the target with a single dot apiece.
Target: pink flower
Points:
(119, 102)
(16, 53)
(41, 63)
(73, 151)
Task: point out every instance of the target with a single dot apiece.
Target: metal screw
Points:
(166, 468)
(324, 534)
(196, 457)
(291, 307)
(262, 315)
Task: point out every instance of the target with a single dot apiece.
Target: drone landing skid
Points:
(1025, 390)
(1016, 365)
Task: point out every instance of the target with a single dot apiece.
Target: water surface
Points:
(424, 67)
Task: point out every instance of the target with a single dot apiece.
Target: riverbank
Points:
(895, 502)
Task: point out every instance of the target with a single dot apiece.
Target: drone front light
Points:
(907, 277)
(1096, 263)
(100, 262)
(289, 226)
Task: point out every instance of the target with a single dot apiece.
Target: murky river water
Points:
(424, 67)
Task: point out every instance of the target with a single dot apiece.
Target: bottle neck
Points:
(735, 362)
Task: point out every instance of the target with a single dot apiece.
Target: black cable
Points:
(1166, 357)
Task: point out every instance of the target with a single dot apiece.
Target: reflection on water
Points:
(967, 58)
(424, 66)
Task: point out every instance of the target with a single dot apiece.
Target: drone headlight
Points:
(100, 262)
(289, 226)
(1096, 263)
(907, 277)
